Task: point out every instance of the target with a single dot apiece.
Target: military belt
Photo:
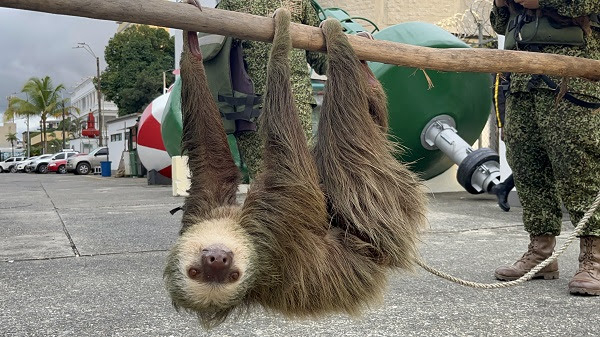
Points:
(556, 88)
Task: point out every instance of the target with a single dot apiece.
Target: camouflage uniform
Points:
(256, 55)
(554, 148)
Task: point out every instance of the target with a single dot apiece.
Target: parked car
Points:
(23, 165)
(10, 164)
(84, 163)
(39, 163)
(58, 163)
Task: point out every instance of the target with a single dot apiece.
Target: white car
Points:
(10, 164)
(39, 164)
(22, 166)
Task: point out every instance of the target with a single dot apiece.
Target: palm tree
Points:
(43, 99)
(12, 138)
(54, 143)
(71, 127)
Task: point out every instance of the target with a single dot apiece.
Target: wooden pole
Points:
(251, 27)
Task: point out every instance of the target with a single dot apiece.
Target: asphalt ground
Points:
(83, 256)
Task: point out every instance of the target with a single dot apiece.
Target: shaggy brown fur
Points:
(214, 175)
(370, 193)
(318, 231)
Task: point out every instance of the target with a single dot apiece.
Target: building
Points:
(6, 129)
(118, 131)
(6, 149)
(85, 98)
(386, 13)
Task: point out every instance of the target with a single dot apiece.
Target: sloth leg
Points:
(369, 193)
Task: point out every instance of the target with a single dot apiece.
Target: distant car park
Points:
(40, 165)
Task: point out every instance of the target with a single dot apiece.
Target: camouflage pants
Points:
(250, 143)
(554, 152)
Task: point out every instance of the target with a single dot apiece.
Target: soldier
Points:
(553, 136)
(256, 55)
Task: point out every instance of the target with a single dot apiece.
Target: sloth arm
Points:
(214, 175)
(287, 190)
(305, 267)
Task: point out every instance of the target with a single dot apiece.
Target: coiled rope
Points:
(580, 226)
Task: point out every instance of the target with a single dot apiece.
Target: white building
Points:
(118, 135)
(85, 97)
(83, 145)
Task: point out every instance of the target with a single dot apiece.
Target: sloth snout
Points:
(215, 266)
(216, 258)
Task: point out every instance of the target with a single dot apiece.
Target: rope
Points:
(580, 226)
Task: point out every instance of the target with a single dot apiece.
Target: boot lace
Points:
(587, 260)
(528, 253)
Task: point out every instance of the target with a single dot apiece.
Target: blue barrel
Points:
(105, 168)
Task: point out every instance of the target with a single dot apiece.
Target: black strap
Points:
(248, 102)
(556, 88)
(176, 209)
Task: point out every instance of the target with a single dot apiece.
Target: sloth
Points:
(320, 228)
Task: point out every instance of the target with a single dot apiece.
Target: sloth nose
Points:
(216, 264)
(217, 258)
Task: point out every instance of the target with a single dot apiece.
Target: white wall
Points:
(116, 147)
(83, 145)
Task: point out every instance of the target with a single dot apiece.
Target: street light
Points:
(100, 119)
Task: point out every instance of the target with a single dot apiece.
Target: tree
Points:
(43, 99)
(71, 127)
(12, 138)
(54, 143)
(136, 59)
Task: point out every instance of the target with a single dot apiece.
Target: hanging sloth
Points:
(319, 229)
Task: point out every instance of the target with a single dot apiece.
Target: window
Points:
(60, 156)
(117, 137)
(70, 154)
(102, 152)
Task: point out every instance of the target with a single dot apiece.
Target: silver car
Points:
(22, 166)
(85, 163)
(39, 164)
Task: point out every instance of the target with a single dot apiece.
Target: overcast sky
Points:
(34, 44)
(38, 44)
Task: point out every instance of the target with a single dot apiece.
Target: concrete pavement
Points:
(83, 256)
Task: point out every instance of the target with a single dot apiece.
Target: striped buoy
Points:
(151, 148)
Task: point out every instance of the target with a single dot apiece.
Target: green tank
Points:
(412, 104)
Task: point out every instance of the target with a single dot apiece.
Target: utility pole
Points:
(63, 125)
(100, 118)
(28, 139)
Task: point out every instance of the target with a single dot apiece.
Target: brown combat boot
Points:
(540, 248)
(587, 279)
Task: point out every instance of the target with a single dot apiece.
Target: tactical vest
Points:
(543, 27)
(231, 87)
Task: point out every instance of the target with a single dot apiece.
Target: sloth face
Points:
(208, 269)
